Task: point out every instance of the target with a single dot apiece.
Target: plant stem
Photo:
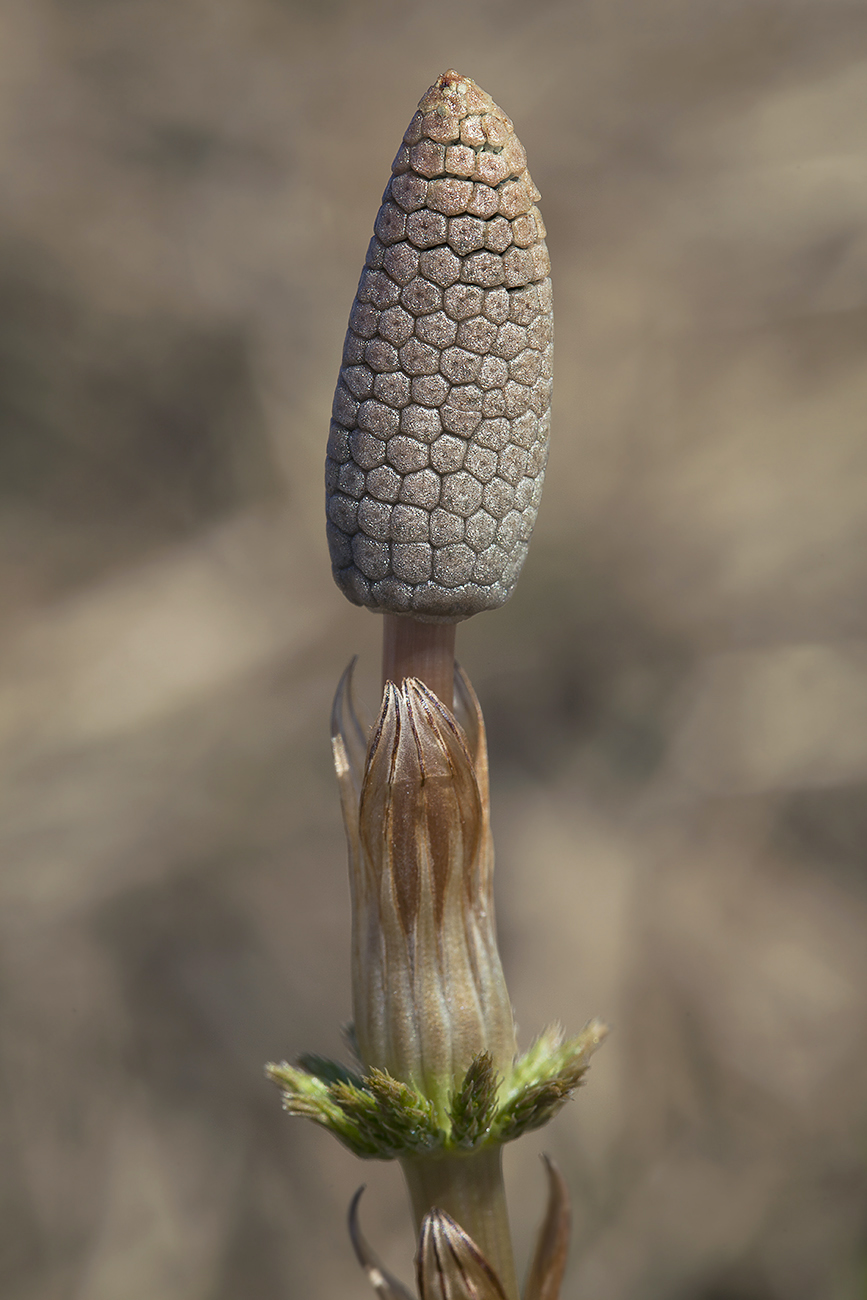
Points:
(469, 1188)
(411, 648)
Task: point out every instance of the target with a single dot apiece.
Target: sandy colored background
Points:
(676, 696)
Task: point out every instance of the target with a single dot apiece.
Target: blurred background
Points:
(676, 696)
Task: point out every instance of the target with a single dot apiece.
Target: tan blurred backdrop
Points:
(676, 696)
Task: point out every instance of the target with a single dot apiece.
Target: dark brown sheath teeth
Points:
(439, 434)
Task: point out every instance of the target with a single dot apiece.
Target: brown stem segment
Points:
(411, 648)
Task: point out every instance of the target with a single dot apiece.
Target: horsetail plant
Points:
(435, 464)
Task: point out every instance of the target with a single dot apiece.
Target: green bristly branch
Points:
(378, 1117)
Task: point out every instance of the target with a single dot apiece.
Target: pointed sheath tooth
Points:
(552, 1245)
(439, 435)
(450, 1265)
(383, 1283)
(348, 734)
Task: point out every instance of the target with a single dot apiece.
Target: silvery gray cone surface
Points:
(439, 435)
